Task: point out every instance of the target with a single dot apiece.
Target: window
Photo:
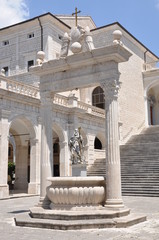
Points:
(30, 63)
(30, 35)
(6, 71)
(6, 42)
(98, 98)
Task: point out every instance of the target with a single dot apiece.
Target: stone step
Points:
(117, 222)
(141, 186)
(146, 180)
(139, 162)
(140, 191)
(140, 194)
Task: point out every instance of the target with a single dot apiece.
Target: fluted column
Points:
(46, 145)
(113, 173)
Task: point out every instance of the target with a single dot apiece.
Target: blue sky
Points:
(139, 17)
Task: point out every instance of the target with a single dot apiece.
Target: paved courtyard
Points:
(148, 230)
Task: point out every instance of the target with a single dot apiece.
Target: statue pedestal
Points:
(79, 170)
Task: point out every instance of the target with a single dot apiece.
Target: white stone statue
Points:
(89, 39)
(76, 147)
(65, 45)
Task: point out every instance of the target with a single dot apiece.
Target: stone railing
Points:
(18, 87)
(91, 109)
(60, 100)
(31, 91)
(64, 101)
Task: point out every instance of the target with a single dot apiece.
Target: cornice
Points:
(116, 53)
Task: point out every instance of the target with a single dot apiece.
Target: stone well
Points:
(76, 192)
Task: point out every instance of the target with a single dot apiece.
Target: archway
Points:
(152, 96)
(56, 155)
(99, 146)
(97, 143)
(22, 132)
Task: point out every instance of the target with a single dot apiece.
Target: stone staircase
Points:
(139, 164)
(98, 168)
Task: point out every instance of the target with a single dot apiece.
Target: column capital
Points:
(111, 88)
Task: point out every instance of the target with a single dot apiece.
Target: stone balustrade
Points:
(91, 109)
(18, 87)
(64, 101)
(74, 192)
(61, 100)
(31, 91)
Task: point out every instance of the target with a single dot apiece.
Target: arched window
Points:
(97, 144)
(98, 98)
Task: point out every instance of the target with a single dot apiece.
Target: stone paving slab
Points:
(148, 230)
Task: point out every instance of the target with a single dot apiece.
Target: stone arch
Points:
(26, 121)
(97, 144)
(99, 150)
(152, 103)
(101, 137)
(23, 131)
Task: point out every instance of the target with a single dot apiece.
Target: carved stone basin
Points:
(73, 192)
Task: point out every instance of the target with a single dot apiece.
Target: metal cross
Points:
(76, 15)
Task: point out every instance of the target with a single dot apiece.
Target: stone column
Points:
(46, 145)
(64, 156)
(113, 173)
(4, 131)
(34, 167)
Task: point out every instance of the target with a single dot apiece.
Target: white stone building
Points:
(20, 122)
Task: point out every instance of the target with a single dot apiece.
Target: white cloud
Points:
(13, 11)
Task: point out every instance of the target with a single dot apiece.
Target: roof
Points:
(117, 23)
(32, 19)
(105, 26)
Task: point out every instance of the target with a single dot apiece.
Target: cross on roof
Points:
(76, 15)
